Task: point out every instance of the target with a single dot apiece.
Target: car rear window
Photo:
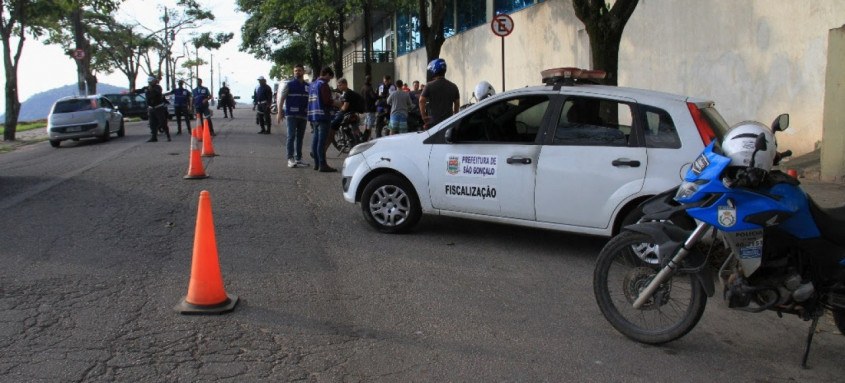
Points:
(70, 106)
(717, 122)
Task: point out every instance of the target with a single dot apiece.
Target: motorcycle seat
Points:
(830, 221)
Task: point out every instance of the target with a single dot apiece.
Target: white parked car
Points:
(566, 156)
(75, 117)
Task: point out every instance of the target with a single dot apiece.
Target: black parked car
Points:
(130, 105)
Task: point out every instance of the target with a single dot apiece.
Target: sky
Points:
(43, 67)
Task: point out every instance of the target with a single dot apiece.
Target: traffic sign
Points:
(79, 54)
(502, 25)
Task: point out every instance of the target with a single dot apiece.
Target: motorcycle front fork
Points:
(670, 267)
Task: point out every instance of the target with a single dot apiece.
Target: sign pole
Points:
(502, 25)
(503, 63)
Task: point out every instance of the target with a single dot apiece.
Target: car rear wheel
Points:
(390, 204)
(55, 143)
(122, 131)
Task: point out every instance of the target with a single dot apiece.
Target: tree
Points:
(121, 48)
(273, 25)
(604, 24)
(19, 18)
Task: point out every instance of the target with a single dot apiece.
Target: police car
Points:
(569, 155)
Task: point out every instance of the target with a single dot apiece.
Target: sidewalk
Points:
(826, 194)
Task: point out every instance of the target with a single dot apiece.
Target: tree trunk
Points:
(10, 65)
(604, 25)
(432, 30)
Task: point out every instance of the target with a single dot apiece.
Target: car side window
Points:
(660, 131)
(106, 103)
(515, 120)
(586, 121)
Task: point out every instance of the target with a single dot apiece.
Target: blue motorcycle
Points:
(774, 248)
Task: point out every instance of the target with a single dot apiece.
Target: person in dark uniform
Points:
(225, 100)
(202, 97)
(440, 98)
(262, 97)
(156, 108)
(181, 100)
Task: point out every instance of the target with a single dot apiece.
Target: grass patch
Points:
(24, 126)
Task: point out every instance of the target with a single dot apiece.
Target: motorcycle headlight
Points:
(360, 148)
(687, 189)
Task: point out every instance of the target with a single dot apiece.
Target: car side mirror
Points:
(781, 123)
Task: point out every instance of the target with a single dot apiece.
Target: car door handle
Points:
(620, 162)
(519, 160)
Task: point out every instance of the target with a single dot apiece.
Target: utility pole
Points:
(211, 65)
(166, 41)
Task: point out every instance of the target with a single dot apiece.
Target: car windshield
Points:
(720, 127)
(77, 105)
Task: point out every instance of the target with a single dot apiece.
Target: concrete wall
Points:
(754, 58)
(833, 146)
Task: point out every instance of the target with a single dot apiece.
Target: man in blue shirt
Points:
(181, 98)
(320, 104)
(293, 103)
(202, 96)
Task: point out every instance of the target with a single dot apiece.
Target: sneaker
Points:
(291, 163)
(300, 163)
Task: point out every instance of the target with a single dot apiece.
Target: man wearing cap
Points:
(262, 97)
(156, 108)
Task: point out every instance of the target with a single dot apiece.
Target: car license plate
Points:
(71, 129)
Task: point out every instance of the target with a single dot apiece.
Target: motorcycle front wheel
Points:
(624, 268)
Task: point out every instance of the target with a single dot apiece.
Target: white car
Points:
(565, 156)
(75, 117)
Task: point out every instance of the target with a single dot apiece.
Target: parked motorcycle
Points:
(781, 251)
(348, 135)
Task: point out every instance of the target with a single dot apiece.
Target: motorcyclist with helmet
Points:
(440, 98)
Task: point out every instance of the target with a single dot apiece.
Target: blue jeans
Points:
(296, 131)
(321, 134)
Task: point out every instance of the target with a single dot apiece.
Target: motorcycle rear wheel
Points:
(623, 271)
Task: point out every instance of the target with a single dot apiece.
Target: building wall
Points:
(755, 58)
(833, 146)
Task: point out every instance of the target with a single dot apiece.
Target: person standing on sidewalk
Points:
(440, 98)
(400, 104)
(156, 108)
(262, 97)
(202, 97)
(181, 98)
(293, 103)
(370, 98)
(320, 103)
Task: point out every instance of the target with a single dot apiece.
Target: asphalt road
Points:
(96, 242)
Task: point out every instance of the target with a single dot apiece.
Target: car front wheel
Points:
(390, 204)
(122, 131)
(55, 143)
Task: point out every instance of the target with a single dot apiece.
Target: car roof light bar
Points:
(570, 76)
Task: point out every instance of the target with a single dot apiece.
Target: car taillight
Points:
(703, 126)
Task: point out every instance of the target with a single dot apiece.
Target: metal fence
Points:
(360, 56)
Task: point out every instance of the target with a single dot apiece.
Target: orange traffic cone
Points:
(207, 145)
(195, 169)
(205, 291)
(198, 129)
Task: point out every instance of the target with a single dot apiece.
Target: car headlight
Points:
(687, 189)
(360, 148)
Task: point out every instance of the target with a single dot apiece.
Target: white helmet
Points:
(740, 141)
(261, 78)
(484, 90)
(152, 79)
